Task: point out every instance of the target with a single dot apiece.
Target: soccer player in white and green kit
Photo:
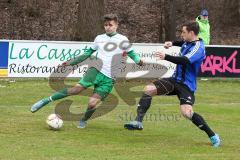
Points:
(103, 77)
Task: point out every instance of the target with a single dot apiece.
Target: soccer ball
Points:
(54, 121)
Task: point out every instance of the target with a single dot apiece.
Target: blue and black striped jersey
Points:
(187, 73)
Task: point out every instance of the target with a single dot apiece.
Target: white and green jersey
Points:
(111, 51)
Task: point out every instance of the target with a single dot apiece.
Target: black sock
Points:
(89, 112)
(200, 123)
(143, 106)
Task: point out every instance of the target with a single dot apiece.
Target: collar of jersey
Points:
(195, 41)
(111, 35)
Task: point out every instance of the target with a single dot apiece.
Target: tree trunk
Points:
(161, 23)
(170, 20)
(90, 20)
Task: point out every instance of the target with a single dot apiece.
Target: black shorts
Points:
(169, 86)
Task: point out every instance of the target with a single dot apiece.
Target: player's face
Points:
(186, 35)
(204, 17)
(110, 26)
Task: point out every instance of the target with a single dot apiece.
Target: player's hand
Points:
(168, 44)
(160, 55)
(67, 63)
(141, 63)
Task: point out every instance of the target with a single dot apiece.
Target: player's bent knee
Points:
(92, 105)
(150, 90)
(74, 90)
(93, 102)
(187, 111)
(186, 115)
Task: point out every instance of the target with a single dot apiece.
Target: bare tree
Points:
(161, 22)
(170, 19)
(89, 22)
(172, 33)
(231, 13)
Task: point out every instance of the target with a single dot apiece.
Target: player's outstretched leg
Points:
(58, 95)
(201, 124)
(199, 121)
(143, 106)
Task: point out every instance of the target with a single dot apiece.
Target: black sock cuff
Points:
(195, 116)
(146, 96)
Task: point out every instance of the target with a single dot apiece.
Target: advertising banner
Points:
(20, 58)
(44, 59)
(221, 61)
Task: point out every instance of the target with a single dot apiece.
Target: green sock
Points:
(46, 100)
(89, 112)
(59, 95)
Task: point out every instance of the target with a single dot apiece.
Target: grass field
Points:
(24, 135)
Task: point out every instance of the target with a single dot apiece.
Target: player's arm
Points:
(87, 53)
(169, 44)
(132, 54)
(178, 43)
(196, 53)
(177, 59)
(135, 57)
(174, 59)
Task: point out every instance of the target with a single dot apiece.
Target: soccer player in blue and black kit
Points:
(182, 83)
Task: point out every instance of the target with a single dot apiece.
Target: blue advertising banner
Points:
(4, 59)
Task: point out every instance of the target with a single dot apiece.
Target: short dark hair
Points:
(110, 17)
(192, 26)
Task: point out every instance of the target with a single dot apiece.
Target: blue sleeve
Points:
(197, 53)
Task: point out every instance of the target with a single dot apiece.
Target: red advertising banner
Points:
(221, 61)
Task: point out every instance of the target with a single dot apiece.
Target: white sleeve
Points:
(126, 45)
(94, 45)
